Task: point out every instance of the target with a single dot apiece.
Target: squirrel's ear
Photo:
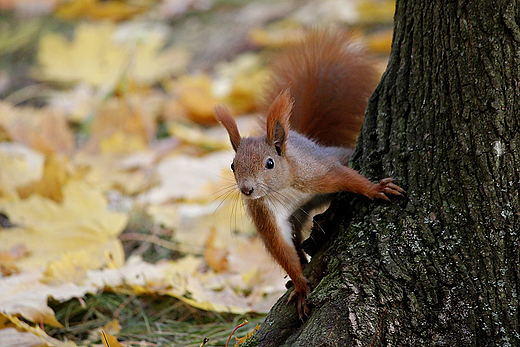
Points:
(226, 119)
(278, 116)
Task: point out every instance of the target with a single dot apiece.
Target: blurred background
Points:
(118, 209)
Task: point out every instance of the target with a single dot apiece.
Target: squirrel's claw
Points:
(387, 186)
(300, 296)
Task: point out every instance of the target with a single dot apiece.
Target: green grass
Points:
(161, 320)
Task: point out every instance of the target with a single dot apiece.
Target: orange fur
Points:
(330, 79)
(224, 117)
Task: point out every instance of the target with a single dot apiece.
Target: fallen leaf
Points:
(120, 141)
(55, 173)
(97, 9)
(184, 177)
(24, 294)
(149, 65)
(112, 327)
(45, 340)
(12, 337)
(241, 82)
(20, 166)
(81, 224)
(198, 137)
(91, 56)
(101, 55)
(215, 257)
(109, 340)
(8, 258)
(43, 129)
(196, 96)
(76, 103)
(184, 280)
(128, 173)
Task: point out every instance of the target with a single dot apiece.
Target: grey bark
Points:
(440, 267)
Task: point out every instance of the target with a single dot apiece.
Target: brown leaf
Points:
(215, 257)
(55, 172)
(45, 129)
(121, 125)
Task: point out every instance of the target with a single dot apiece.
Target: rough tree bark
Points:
(440, 267)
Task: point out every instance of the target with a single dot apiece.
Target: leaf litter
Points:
(117, 206)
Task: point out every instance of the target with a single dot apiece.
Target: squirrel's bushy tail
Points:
(330, 79)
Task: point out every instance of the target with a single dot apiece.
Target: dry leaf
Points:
(196, 96)
(109, 340)
(55, 172)
(121, 125)
(242, 82)
(215, 257)
(43, 129)
(128, 173)
(112, 327)
(184, 177)
(16, 333)
(77, 103)
(80, 226)
(8, 258)
(91, 56)
(198, 137)
(20, 166)
(11, 337)
(24, 294)
(97, 9)
(99, 54)
(182, 279)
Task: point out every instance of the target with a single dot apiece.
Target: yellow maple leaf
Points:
(91, 56)
(98, 56)
(80, 229)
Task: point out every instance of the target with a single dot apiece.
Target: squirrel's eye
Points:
(269, 164)
(233, 167)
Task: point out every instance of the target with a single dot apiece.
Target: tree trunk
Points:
(441, 266)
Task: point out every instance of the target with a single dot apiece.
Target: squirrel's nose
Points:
(247, 190)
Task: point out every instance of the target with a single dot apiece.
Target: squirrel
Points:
(318, 95)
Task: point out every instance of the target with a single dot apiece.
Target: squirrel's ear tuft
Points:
(278, 116)
(226, 119)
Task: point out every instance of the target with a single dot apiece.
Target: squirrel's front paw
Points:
(387, 186)
(300, 296)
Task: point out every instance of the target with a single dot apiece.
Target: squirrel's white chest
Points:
(282, 205)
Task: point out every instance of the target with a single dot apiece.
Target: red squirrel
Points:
(319, 92)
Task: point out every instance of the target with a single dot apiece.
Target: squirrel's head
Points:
(260, 165)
